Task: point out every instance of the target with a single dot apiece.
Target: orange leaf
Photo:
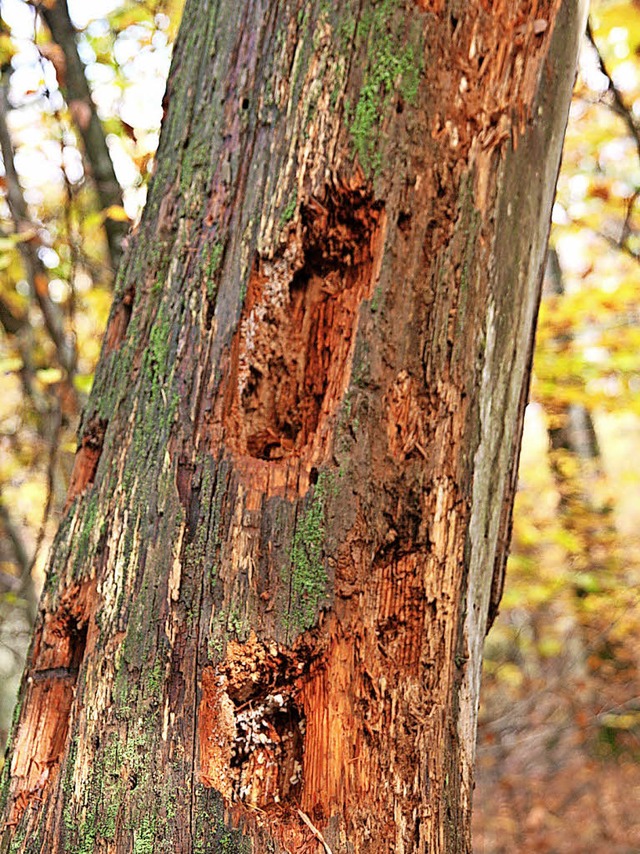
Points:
(41, 284)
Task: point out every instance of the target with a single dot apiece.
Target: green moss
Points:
(215, 649)
(361, 371)
(113, 381)
(346, 31)
(392, 65)
(158, 285)
(211, 831)
(144, 836)
(156, 679)
(289, 211)
(308, 573)
(238, 624)
(375, 299)
(17, 841)
(159, 342)
(87, 537)
(193, 160)
(80, 836)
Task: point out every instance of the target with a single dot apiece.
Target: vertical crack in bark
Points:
(204, 684)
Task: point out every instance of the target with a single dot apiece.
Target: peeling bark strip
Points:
(40, 740)
(309, 406)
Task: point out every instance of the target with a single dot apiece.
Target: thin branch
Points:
(36, 273)
(618, 105)
(626, 228)
(18, 329)
(82, 108)
(24, 564)
(621, 109)
(612, 241)
(10, 322)
(53, 442)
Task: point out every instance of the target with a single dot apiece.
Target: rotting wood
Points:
(291, 357)
(59, 648)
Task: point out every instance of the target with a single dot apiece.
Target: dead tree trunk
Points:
(265, 609)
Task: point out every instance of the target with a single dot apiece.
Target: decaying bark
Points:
(265, 609)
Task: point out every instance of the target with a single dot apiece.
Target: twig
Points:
(100, 167)
(618, 105)
(53, 442)
(616, 244)
(34, 268)
(23, 563)
(315, 831)
(621, 109)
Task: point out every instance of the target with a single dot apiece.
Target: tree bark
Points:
(290, 509)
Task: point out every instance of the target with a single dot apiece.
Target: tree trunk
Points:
(265, 608)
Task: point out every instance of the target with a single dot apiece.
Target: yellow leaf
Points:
(116, 212)
(10, 364)
(49, 376)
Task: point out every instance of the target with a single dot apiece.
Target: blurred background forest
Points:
(559, 741)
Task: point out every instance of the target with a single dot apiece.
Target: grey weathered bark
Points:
(263, 623)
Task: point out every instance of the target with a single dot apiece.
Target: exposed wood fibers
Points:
(406, 422)
(86, 460)
(345, 683)
(488, 79)
(290, 360)
(372, 660)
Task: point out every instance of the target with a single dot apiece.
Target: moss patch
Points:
(308, 571)
(393, 65)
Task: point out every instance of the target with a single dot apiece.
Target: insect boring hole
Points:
(268, 748)
(269, 727)
(291, 354)
(77, 634)
(62, 646)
